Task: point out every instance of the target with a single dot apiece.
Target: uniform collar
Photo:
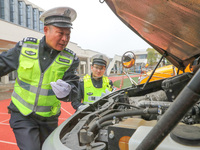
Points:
(47, 48)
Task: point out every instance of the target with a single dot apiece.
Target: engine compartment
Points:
(110, 122)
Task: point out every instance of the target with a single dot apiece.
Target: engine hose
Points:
(182, 104)
(107, 123)
(98, 123)
(129, 105)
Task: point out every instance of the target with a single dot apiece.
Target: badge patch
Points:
(64, 60)
(89, 93)
(31, 39)
(30, 53)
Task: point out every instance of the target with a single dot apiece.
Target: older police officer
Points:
(45, 75)
(93, 86)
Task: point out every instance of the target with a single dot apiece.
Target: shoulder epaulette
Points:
(30, 39)
(70, 51)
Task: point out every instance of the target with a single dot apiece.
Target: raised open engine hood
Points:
(169, 26)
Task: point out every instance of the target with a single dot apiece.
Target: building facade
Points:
(20, 19)
(22, 13)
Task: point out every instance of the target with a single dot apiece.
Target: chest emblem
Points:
(90, 93)
(30, 53)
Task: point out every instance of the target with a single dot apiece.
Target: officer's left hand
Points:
(61, 88)
(106, 93)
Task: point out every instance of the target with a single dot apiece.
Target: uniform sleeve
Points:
(111, 84)
(9, 60)
(71, 78)
(77, 102)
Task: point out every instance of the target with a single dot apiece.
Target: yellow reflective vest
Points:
(92, 93)
(32, 91)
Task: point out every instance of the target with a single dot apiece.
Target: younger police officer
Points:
(40, 65)
(93, 86)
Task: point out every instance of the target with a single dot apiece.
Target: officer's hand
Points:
(106, 93)
(61, 88)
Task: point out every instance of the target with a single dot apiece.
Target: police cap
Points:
(59, 17)
(100, 59)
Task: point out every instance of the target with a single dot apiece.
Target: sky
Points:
(97, 28)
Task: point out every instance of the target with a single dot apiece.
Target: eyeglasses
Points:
(99, 68)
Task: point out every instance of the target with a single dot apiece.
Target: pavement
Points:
(6, 91)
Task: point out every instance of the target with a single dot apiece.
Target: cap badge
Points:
(67, 12)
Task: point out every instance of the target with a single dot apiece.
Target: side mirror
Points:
(128, 59)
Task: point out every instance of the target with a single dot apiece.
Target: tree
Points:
(151, 56)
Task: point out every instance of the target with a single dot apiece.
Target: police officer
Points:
(94, 86)
(45, 75)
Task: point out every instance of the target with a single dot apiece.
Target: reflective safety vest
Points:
(92, 93)
(32, 91)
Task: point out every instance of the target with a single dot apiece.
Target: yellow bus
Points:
(161, 73)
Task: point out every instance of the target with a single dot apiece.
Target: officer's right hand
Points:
(106, 93)
(61, 88)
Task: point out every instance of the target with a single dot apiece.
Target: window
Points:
(41, 23)
(28, 16)
(2, 8)
(20, 10)
(11, 10)
(35, 18)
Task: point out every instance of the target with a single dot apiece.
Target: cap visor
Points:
(62, 25)
(100, 64)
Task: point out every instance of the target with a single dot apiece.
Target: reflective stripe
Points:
(33, 89)
(93, 98)
(46, 92)
(30, 106)
(33, 46)
(26, 86)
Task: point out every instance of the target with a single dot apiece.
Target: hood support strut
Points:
(164, 55)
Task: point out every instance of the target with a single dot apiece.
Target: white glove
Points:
(81, 107)
(61, 88)
(106, 93)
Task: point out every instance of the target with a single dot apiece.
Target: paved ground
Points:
(6, 91)
(5, 94)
